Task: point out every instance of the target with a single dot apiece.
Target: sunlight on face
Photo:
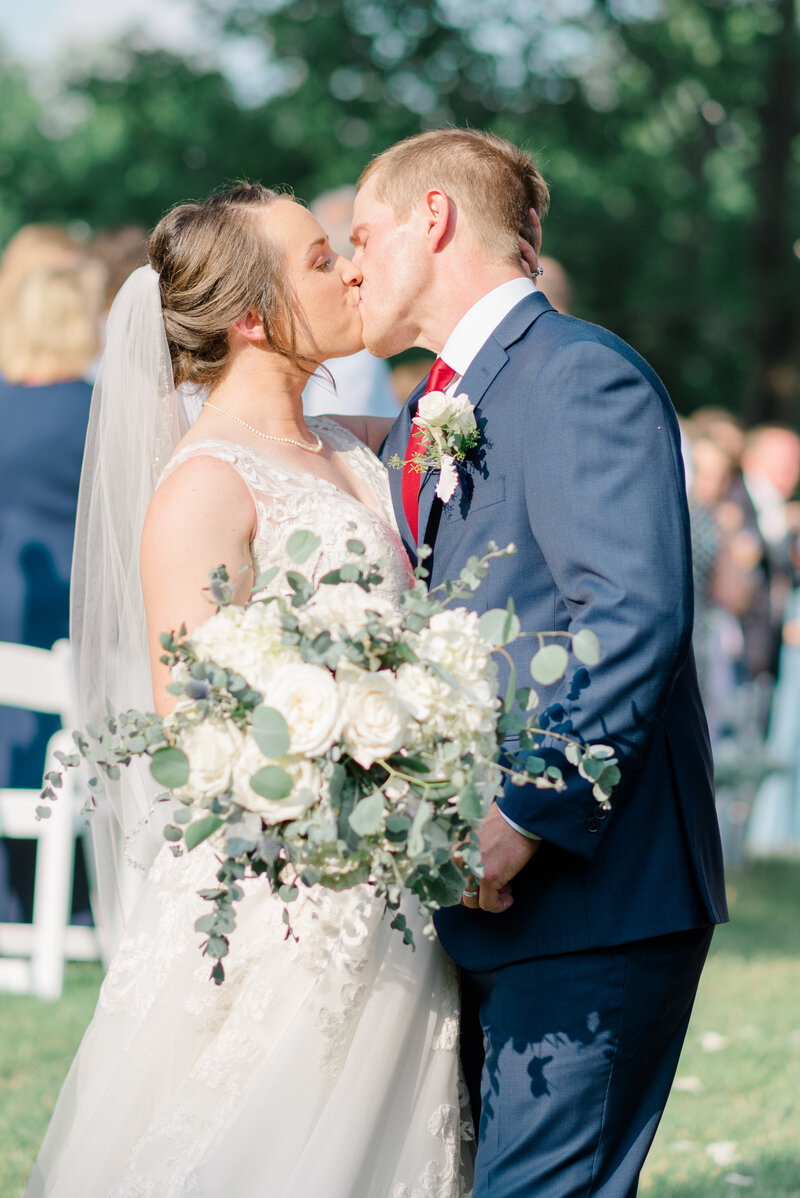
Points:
(391, 260)
(324, 285)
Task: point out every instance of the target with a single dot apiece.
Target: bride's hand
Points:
(530, 259)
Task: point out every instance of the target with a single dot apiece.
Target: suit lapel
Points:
(480, 375)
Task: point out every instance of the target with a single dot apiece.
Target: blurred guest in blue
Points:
(49, 334)
(363, 383)
(772, 475)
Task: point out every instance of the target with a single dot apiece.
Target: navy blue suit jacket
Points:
(41, 450)
(580, 466)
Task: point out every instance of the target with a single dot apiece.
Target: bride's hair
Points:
(215, 264)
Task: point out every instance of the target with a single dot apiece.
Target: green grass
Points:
(37, 1043)
(748, 1088)
(750, 1096)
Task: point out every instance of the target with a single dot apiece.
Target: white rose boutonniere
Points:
(450, 432)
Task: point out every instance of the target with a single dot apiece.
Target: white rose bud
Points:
(434, 408)
(375, 718)
(308, 699)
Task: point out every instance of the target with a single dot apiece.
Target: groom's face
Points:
(390, 255)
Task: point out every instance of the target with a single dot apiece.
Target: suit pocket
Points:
(473, 494)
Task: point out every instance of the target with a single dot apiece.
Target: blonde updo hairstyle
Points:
(216, 264)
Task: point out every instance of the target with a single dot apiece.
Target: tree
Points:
(666, 129)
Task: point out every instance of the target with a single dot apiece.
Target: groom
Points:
(582, 948)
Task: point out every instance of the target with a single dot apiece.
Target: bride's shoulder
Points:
(198, 485)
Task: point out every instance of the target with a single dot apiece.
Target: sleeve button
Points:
(592, 823)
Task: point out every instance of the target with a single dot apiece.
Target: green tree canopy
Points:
(668, 130)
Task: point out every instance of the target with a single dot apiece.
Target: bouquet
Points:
(324, 737)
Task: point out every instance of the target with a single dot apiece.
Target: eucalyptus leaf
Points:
(416, 841)
(270, 731)
(217, 946)
(200, 830)
(271, 782)
(170, 767)
(549, 664)
(301, 544)
(469, 805)
(367, 815)
(586, 647)
(265, 578)
(499, 626)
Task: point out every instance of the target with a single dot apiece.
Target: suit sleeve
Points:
(605, 498)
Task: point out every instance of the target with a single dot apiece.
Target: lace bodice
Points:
(287, 500)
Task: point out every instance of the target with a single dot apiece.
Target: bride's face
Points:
(323, 284)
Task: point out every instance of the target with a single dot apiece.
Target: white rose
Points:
(434, 409)
(375, 718)
(305, 775)
(308, 699)
(212, 747)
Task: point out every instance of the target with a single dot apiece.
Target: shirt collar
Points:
(477, 325)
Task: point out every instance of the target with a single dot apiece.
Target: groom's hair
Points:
(493, 182)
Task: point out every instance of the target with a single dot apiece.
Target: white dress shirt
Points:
(477, 325)
(461, 348)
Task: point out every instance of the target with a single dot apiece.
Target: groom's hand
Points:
(504, 852)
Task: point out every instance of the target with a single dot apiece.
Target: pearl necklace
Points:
(268, 436)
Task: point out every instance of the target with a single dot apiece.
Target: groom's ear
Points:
(439, 215)
(250, 327)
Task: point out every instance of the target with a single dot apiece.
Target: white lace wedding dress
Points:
(322, 1068)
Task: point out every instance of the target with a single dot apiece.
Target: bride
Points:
(325, 1067)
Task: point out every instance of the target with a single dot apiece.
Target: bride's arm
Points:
(202, 516)
(372, 430)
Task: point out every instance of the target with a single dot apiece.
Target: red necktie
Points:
(440, 376)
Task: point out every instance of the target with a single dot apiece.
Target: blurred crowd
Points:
(745, 523)
(55, 292)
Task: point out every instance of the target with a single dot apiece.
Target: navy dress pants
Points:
(579, 1054)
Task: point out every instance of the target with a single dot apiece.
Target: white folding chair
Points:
(32, 955)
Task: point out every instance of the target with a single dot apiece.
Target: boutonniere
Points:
(450, 431)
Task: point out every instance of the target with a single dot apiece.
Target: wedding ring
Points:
(470, 894)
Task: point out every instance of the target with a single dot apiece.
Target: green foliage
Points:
(170, 768)
(549, 664)
(667, 132)
(301, 544)
(270, 731)
(271, 782)
(200, 830)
